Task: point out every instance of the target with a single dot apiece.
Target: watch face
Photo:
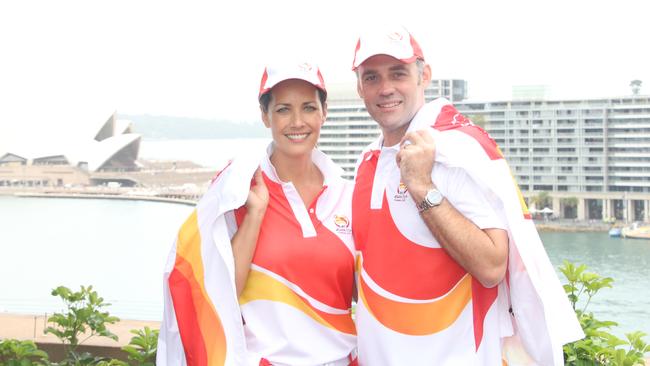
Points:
(434, 197)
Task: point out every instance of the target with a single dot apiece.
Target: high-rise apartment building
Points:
(598, 145)
(594, 152)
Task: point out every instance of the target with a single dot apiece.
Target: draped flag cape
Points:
(202, 322)
(543, 319)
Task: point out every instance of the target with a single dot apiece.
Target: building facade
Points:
(596, 151)
(591, 157)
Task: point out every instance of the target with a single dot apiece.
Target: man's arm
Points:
(482, 253)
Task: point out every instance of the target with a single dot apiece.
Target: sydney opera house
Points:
(105, 146)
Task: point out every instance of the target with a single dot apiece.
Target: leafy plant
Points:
(21, 353)
(142, 348)
(111, 363)
(599, 347)
(83, 318)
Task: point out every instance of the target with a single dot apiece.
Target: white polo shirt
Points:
(416, 305)
(297, 299)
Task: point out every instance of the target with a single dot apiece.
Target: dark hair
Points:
(265, 99)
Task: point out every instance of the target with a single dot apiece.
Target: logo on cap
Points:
(277, 73)
(395, 36)
(396, 42)
(305, 67)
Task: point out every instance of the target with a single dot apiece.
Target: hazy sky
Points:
(61, 59)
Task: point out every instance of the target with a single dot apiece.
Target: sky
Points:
(62, 61)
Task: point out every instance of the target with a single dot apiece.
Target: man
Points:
(434, 223)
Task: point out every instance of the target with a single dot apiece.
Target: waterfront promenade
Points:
(164, 181)
(570, 225)
(187, 198)
(189, 194)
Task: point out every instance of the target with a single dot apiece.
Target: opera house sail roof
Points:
(114, 147)
(110, 146)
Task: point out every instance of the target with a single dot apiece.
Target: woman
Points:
(292, 249)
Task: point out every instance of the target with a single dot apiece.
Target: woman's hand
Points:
(258, 196)
(244, 241)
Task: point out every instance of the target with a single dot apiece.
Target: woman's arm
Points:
(245, 239)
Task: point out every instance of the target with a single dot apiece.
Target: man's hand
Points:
(415, 161)
(482, 253)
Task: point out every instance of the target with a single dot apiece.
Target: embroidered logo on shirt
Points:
(402, 193)
(342, 224)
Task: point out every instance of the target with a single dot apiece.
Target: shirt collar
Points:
(331, 172)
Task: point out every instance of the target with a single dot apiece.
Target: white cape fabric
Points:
(202, 323)
(543, 319)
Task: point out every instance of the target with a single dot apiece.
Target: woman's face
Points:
(295, 116)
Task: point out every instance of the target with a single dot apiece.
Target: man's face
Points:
(393, 92)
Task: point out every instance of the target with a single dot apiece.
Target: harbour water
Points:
(627, 261)
(120, 248)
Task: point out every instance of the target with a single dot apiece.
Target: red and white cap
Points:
(277, 73)
(393, 41)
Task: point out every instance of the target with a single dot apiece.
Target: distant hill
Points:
(167, 127)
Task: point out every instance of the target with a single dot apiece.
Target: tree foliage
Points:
(542, 199)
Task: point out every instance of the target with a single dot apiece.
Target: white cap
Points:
(393, 41)
(277, 73)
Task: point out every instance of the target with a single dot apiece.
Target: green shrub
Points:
(21, 353)
(83, 318)
(142, 348)
(111, 363)
(599, 347)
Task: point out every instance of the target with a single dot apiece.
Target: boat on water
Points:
(615, 232)
(636, 231)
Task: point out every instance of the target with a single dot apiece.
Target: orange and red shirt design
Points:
(416, 304)
(297, 299)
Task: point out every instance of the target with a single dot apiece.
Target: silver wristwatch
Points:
(432, 199)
